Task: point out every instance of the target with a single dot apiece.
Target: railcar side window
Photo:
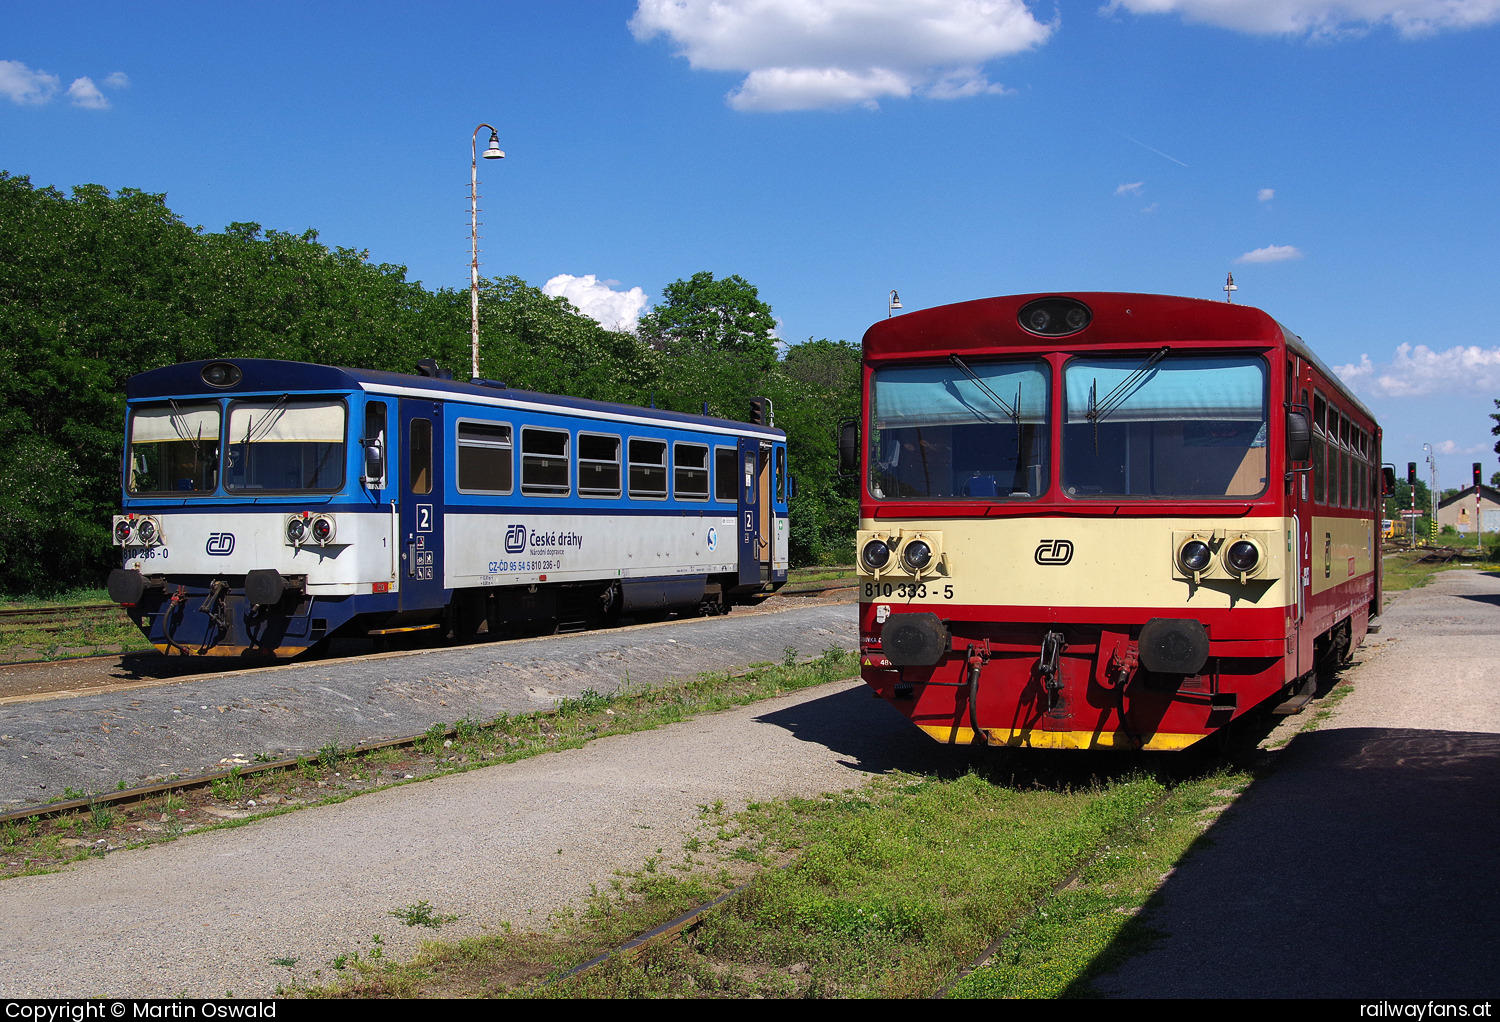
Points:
(283, 445)
(690, 471)
(958, 431)
(486, 457)
(598, 465)
(781, 475)
(648, 469)
(1182, 426)
(174, 448)
(726, 472)
(544, 462)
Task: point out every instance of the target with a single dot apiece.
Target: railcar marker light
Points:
(916, 555)
(1194, 557)
(122, 532)
(1242, 558)
(296, 531)
(875, 555)
(323, 529)
(147, 531)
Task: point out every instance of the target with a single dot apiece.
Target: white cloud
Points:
(1417, 370)
(1453, 447)
(1265, 195)
(1271, 254)
(1133, 188)
(616, 310)
(83, 92)
(834, 54)
(1323, 18)
(23, 85)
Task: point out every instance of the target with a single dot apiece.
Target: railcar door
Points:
(1300, 506)
(421, 537)
(754, 512)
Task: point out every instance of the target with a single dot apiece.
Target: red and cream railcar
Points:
(1106, 520)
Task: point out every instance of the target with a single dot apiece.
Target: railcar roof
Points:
(992, 324)
(262, 375)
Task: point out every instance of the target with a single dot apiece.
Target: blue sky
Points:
(1340, 158)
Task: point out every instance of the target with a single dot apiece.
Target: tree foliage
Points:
(96, 287)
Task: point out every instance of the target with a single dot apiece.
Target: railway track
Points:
(59, 619)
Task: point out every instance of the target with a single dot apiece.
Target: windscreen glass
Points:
(281, 445)
(1161, 425)
(174, 449)
(959, 431)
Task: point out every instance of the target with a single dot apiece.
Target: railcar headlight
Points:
(1194, 556)
(221, 374)
(122, 531)
(296, 530)
(875, 555)
(1054, 317)
(322, 529)
(147, 532)
(916, 555)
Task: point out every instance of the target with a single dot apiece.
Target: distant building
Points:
(1458, 510)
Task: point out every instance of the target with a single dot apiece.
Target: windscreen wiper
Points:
(1098, 408)
(1014, 413)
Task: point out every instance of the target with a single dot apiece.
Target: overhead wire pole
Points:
(491, 153)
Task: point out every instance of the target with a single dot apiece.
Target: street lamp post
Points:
(892, 305)
(491, 153)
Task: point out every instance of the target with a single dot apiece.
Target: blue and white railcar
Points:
(269, 505)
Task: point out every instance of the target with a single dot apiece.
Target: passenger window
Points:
(486, 457)
(726, 471)
(648, 469)
(598, 465)
(781, 475)
(690, 472)
(544, 462)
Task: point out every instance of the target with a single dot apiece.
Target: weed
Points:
(285, 963)
(231, 788)
(432, 739)
(422, 914)
(329, 755)
(103, 816)
(789, 656)
(70, 793)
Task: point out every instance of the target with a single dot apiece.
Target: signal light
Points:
(1411, 473)
(1476, 473)
(761, 412)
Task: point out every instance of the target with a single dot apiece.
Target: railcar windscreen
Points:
(959, 431)
(1177, 426)
(280, 445)
(174, 448)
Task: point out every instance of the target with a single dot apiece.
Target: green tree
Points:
(540, 342)
(715, 315)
